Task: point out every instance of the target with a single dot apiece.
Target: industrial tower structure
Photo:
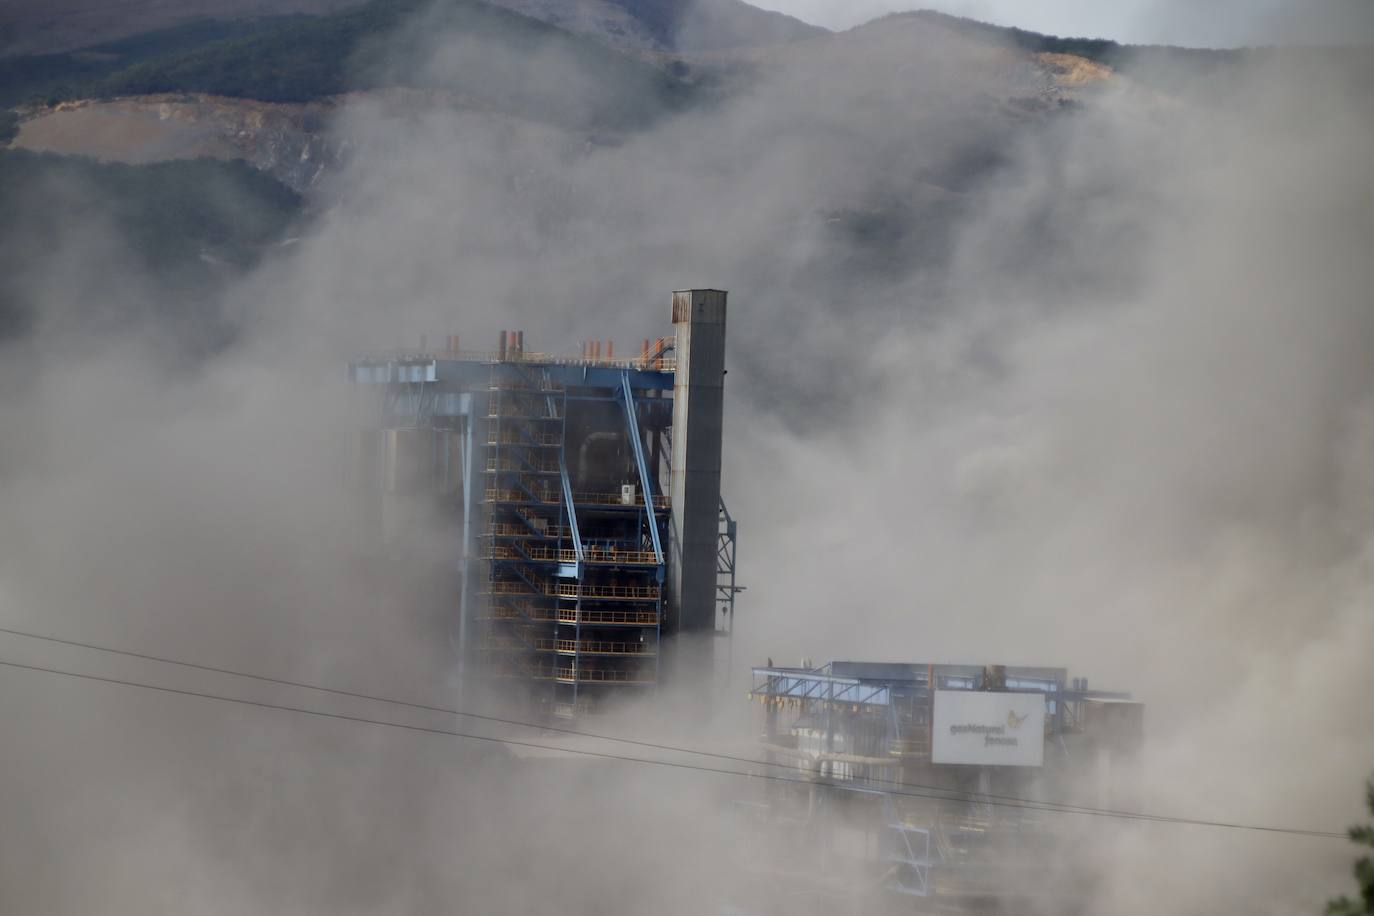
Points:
(580, 497)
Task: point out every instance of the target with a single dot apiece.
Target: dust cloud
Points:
(1012, 380)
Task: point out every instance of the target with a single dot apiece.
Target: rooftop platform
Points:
(476, 368)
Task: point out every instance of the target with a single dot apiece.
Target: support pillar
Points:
(698, 398)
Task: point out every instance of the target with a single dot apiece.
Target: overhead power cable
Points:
(773, 777)
(947, 793)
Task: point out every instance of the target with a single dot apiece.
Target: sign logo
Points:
(989, 728)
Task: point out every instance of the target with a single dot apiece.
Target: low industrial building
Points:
(961, 788)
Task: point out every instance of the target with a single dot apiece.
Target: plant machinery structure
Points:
(944, 788)
(577, 499)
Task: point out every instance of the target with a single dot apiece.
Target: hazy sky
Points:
(1213, 23)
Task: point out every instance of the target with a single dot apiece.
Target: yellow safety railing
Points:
(501, 552)
(550, 554)
(595, 617)
(520, 412)
(602, 592)
(520, 609)
(600, 554)
(593, 647)
(545, 466)
(499, 495)
(532, 552)
(541, 553)
(597, 675)
(508, 587)
(505, 529)
(616, 499)
(510, 437)
(655, 363)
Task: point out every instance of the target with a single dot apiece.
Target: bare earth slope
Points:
(286, 141)
(897, 61)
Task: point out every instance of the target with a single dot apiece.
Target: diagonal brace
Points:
(632, 427)
(572, 513)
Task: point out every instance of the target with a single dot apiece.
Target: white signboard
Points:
(988, 729)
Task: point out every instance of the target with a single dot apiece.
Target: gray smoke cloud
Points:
(1011, 381)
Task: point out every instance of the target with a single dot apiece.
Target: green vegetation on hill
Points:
(1200, 73)
(523, 66)
(44, 78)
(715, 24)
(179, 227)
(1101, 50)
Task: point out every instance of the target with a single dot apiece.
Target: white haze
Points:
(1112, 409)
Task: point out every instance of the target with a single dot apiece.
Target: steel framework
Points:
(563, 597)
(862, 730)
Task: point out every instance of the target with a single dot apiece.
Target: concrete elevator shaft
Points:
(698, 395)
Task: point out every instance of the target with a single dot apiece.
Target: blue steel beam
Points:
(632, 427)
(568, 504)
(797, 685)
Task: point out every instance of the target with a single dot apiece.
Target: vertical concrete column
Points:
(698, 397)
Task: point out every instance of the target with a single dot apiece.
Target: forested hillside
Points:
(509, 63)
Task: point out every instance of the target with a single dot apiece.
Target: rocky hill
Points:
(45, 27)
(684, 26)
(882, 135)
(269, 97)
(38, 27)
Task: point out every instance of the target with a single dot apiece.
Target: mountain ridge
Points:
(52, 27)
